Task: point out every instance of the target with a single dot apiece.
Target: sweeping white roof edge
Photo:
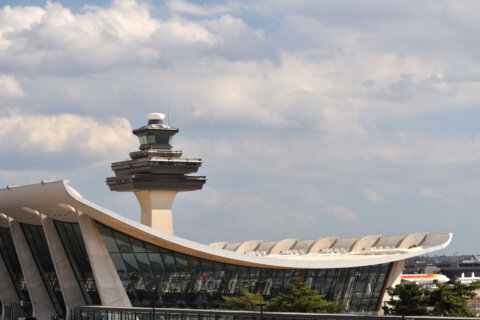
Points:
(55, 194)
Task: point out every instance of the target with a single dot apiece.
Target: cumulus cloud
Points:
(55, 40)
(261, 80)
(341, 213)
(64, 134)
(372, 196)
(307, 101)
(16, 19)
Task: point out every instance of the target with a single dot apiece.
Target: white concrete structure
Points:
(60, 203)
(59, 250)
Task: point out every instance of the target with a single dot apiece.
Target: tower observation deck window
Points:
(153, 275)
(155, 139)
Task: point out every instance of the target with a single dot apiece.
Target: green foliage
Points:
(301, 298)
(451, 300)
(445, 300)
(245, 301)
(408, 295)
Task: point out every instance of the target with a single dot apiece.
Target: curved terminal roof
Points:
(334, 246)
(59, 201)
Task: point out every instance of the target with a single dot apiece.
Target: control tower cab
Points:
(156, 173)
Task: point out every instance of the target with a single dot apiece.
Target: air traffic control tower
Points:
(156, 173)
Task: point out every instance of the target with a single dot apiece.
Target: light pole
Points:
(261, 305)
(153, 311)
(402, 310)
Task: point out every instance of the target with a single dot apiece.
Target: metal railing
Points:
(109, 313)
(15, 312)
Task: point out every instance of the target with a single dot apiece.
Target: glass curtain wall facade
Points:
(39, 248)
(152, 275)
(10, 258)
(74, 246)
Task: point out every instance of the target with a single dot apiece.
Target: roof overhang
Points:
(59, 201)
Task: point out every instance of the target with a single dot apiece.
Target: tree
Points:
(301, 298)
(245, 301)
(445, 300)
(451, 300)
(407, 298)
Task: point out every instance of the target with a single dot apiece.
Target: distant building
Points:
(60, 250)
(452, 267)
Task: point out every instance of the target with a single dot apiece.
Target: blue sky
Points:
(313, 118)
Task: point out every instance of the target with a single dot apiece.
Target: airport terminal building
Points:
(59, 250)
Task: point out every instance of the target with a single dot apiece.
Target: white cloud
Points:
(343, 92)
(372, 196)
(431, 194)
(66, 134)
(16, 19)
(60, 40)
(341, 213)
(9, 86)
(312, 100)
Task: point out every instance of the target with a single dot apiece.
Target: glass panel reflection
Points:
(10, 258)
(38, 246)
(72, 240)
(156, 276)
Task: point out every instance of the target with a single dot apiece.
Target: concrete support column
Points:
(72, 294)
(394, 277)
(156, 208)
(42, 306)
(8, 294)
(109, 285)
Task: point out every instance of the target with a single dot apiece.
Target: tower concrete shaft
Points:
(156, 173)
(156, 208)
